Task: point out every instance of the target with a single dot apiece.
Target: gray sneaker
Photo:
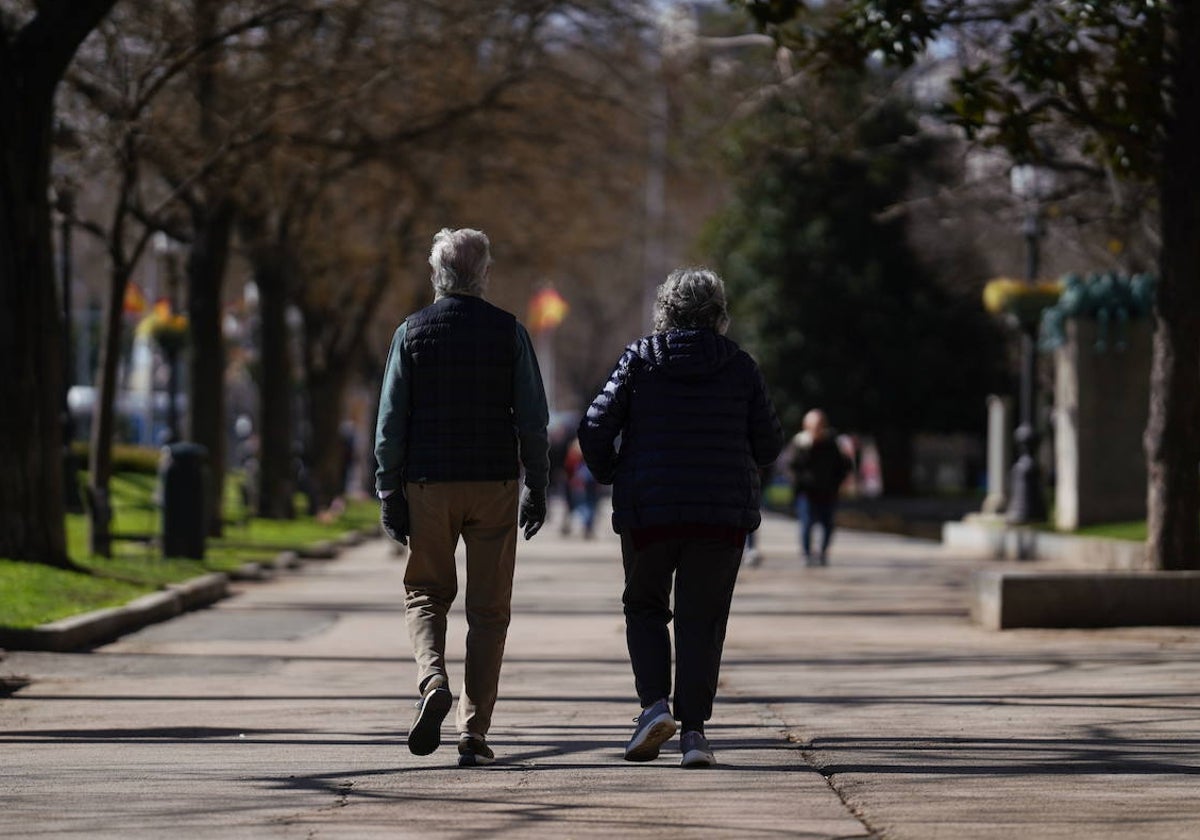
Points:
(696, 751)
(654, 727)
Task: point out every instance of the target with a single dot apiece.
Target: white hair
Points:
(460, 260)
(691, 298)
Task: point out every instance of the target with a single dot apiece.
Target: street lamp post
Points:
(1028, 503)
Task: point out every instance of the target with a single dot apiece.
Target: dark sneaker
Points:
(473, 751)
(425, 736)
(696, 751)
(654, 727)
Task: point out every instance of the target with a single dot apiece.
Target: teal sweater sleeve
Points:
(530, 413)
(391, 431)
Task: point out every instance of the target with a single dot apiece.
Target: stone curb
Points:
(287, 560)
(350, 539)
(91, 628)
(1005, 542)
(324, 550)
(329, 549)
(260, 570)
(201, 591)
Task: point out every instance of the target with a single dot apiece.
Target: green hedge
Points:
(125, 457)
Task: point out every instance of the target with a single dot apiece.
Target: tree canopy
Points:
(1111, 88)
(1026, 66)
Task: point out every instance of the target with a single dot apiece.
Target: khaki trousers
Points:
(484, 514)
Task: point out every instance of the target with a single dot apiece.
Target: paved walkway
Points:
(857, 701)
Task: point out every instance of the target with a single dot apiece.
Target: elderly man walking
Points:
(462, 409)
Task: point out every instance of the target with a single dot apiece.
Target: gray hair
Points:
(460, 260)
(691, 298)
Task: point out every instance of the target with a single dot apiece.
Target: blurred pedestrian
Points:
(461, 411)
(753, 554)
(818, 468)
(562, 437)
(583, 491)
(694, 421)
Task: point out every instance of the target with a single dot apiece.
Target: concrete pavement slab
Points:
(856, 701)
(282, 712)
(931, 727)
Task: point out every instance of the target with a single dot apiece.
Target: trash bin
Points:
(181, 475)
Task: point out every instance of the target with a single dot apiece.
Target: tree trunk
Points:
(896, 461)
(1173, 432)
(326, 398)
(32, 61)
(104, 416)
(373, 374)
(212, 228)
(277, 481)
(31, 481)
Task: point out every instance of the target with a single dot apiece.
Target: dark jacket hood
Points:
(686, 354)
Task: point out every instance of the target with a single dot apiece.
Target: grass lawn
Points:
(289, 534)
(1135, 531)
(32, 594)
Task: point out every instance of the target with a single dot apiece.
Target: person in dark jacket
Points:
(461, 411)
(694, 423)
(818, 469)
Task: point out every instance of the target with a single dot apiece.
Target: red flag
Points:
(135, 301)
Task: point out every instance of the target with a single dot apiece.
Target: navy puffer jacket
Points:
(694, 423)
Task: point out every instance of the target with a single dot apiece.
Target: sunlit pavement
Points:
(856, 701)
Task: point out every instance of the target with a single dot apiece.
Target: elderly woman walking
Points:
(694, 423)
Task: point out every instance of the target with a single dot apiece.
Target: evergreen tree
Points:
(825, 288)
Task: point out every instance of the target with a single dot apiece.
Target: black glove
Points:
(393, 515)
(533, 511)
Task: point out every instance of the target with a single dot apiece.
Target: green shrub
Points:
(126, 457)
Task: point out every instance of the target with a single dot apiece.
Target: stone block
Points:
(1004, 600)
(1102, 400)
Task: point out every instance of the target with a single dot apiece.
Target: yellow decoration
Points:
(1020, 299)
(166, 327)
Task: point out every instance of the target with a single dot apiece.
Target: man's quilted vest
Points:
(460, 426)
